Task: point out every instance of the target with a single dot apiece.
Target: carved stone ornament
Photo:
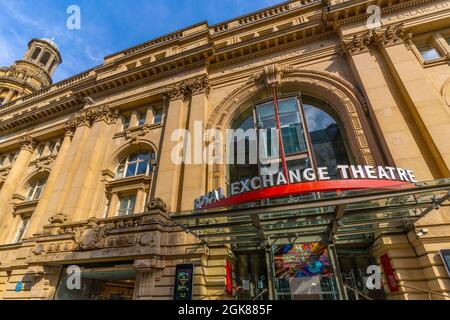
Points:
(87, 117)
(27, 143)
(157, 204)
(393, 35)
(38, 249)
(359, 43)
(271, 75)
(93, 236)
(186, 88)
(147, 239)
(58, 218)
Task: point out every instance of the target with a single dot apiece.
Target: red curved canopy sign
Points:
(303, 188)
(353, 177)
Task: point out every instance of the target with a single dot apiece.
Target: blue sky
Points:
(107, 26)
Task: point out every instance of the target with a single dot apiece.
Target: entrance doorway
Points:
(251, 275)
(98, 283)
(353, 263)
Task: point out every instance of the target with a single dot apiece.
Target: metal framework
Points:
(351, 217)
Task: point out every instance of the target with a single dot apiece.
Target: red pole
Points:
(280, 138)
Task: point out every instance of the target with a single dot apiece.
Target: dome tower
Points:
(32, 73)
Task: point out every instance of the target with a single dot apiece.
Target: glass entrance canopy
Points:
(350, 217)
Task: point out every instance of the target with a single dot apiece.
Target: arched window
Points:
(36, 53)
(36, 189)
(45, 58)
(139, 163)
(311, 133)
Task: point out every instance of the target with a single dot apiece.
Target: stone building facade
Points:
(86, 176)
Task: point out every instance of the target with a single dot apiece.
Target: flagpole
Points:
(280, 137)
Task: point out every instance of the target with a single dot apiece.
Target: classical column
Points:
(169, 173)
(42, 214)
(399, 139)
(428, 110)
(27, 145)
(194, 172)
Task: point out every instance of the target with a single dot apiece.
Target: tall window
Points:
(45, 57)
(35, 191)
(126, 205)
(311, 136)
(158, 115)
(126, 122)
(36, 53)
(141, 117)
(136, 164)
(22, 228)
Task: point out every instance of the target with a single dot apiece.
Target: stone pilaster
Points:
(14, 178)
(392, 120)
(194, 173)
(41, 214)
(429, 112)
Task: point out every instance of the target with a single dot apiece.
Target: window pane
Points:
(134, 157)
(127, 204)
(131, 170)
(158, 114)
(120, 169)
(328, 144)
(22, 229)
(37, 194)
(428, 52)
(141, 118)
(126, 122)
(291, 126)
(142, 168)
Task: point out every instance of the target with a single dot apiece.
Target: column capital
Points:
(392, 36)
(28, 143)
(359, 43)
(186, 88)
(87, 117)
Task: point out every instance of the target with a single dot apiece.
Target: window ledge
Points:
(128, 183)
(435, 62)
